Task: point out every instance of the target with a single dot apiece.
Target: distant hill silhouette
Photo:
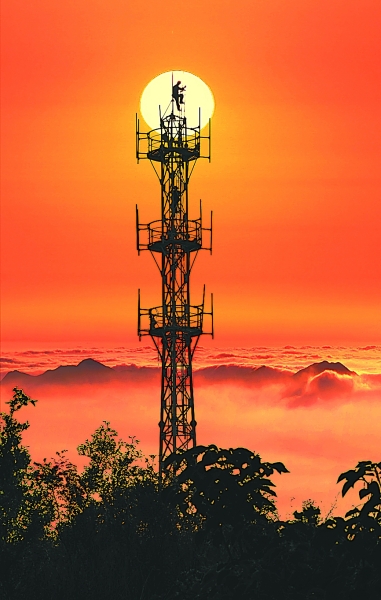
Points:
(255, 375)
(325, 365)
(299, 383)
(87, 371)
(17, 378)
(90, 371)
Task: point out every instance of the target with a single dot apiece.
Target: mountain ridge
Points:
(92, 371)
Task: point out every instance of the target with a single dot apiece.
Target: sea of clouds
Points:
(319, 421)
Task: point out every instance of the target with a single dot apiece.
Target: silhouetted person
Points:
(177, 95)
(175, 198)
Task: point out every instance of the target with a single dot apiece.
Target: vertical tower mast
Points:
(176, 325)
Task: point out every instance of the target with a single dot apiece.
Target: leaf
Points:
(224, 457)
(345, 475)
(210, 457)
(173, 458)
(278, 466)
(374, 488)
(351, 477)
(347, 486)
(364, 464)
(257, 486)
(369, 506)
(354, 511)
(245, 453)
(364, 492)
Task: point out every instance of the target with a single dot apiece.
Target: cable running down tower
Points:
(174, 241)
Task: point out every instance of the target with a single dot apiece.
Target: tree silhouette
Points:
(16, 502)
(209, 531)
(365, 518)
(112, 468)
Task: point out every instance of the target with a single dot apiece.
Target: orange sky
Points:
(294, 181)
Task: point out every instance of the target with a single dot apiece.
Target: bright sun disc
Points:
(159, 93)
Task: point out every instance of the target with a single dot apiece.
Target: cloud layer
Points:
(319, 420)
(365, 359)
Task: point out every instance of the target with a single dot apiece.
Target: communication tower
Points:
(174, 242)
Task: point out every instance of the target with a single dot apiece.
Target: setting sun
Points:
(158, 93)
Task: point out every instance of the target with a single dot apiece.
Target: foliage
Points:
(59, 489)
(209, 531)
(368, 516)
(225, 486)
(224, 490)
(310, 514)
(16, 506)
(111, 469)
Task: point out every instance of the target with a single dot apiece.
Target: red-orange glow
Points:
(294, 184)
(294, 181)
(318, 424)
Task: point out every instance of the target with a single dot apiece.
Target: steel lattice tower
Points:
(174, 241)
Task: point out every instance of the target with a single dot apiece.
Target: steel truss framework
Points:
(174, 242)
